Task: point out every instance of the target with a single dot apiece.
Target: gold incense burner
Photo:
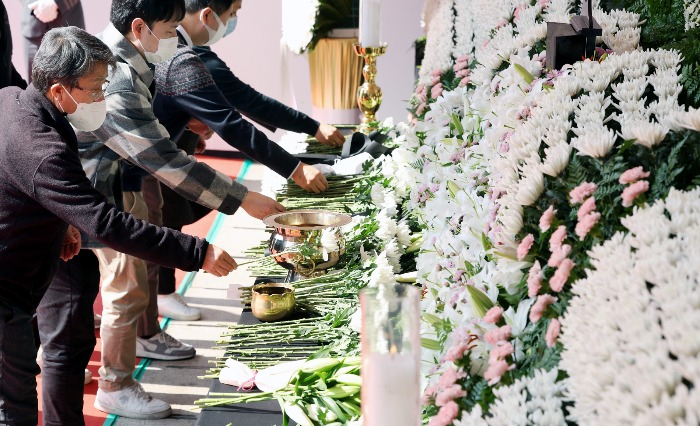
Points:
(369, 95)
(272, 301)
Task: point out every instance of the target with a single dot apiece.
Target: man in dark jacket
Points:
(205, 88)
(45, 195)
(39, 16)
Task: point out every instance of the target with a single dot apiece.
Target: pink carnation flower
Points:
(633, 175)
(449, 377)
(446, 415)
(543, 301)
(501, 352)
(498, 334)
(588, 206)
(449, 394)
(633, 191)
(546, 219)
(557, 238)
(556, 283)
(559, 255)
(525, 245)
(429, 394)
(552, 333)
(419, 88)
(456, 352)
(585, 224)
(495, 371)
(436, 91)
(534, 280)
(458, 66)
(463, 58)
(436, 72)
(493, 315)
(463, 82)
(582, 191)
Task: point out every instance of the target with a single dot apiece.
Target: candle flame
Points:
(393, 349)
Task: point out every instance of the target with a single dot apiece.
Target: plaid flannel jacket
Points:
(131, 131)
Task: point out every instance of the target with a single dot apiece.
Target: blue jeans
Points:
(18, 368)
(67, 331)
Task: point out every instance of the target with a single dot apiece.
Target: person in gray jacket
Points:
(39, 16)
(46, 200)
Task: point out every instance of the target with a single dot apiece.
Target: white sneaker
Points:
(132, 402)
(40, 363)
(174, 306)
(164, 347)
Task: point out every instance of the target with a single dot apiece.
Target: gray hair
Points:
(66, 55)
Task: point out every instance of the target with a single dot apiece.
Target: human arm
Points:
(253, 103)
(133, 132)
(61, 186)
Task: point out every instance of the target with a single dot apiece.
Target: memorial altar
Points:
(545, 218)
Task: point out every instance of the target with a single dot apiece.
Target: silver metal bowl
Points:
(302, 230)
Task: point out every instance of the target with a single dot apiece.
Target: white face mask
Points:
(87, 117)
(231, 25)
(166, 49)
(214, 35)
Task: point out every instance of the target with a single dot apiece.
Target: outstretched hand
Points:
(329, 135)
(218, 262)
(310, 178)
(260, 206)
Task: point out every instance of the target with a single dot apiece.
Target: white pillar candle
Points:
(369, 22)
(390, 390)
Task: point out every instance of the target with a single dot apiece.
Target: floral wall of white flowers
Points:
(556, 233)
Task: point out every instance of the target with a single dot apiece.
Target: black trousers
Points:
(18, 369)
(67, 332)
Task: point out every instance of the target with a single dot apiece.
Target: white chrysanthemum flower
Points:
(439, 45)
(689, 119)
(645, 133)
(383, 274)
(329, 241)
(595, 142)
(638, 298)
(556, 160)
(387, 226)
(691, 14)
(530, 187)
(393, 254)
(403, 233)
(298, 20)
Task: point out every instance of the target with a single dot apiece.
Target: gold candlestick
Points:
(369, 95)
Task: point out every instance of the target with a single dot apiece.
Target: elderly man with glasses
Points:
(46, 199)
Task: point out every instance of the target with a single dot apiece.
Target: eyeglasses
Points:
(95, 94)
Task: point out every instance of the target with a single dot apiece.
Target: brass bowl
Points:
(272, 301)
(306, 227)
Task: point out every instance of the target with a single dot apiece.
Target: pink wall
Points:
(259, 63)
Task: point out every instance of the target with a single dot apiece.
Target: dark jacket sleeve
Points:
(17, 80)
(209, 106)
(252, 103)
(59, 184)
(66, 5)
